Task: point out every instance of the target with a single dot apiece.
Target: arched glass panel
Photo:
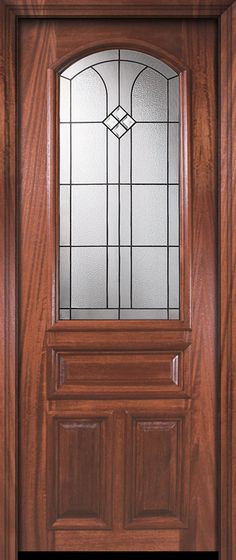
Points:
(119, 188)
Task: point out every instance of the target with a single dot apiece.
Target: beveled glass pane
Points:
(146, 103)
(149, 155)
(149, 277)
(149, 214)
(88, 153)
(89, 215)
(88, 277)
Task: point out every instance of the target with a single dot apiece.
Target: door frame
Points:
(11, 11)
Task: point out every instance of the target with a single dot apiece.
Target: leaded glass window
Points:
(119, 188)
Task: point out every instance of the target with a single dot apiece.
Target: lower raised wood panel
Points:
(157, 474)
(119, 541)
(80, 472)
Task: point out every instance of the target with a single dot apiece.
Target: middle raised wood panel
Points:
(81, 374)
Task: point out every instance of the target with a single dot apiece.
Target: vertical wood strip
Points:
(8, 364)
(227, 259)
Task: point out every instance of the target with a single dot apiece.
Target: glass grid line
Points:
(119, 184)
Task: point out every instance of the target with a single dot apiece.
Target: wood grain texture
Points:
(43, 44)
(126, 8)
(157, 491)
(80, 468)
(111, 374)
(8, 293)
(227, 220)
(227, 259)
(201, 534)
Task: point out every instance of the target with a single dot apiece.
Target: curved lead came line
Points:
(122, 60)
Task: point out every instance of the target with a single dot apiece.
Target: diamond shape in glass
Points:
(119, 113)
(119, 130)
(110, 122)
(127, 121)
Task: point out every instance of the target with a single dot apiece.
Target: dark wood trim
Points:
(10, 11)
(122, 8)
(227, 260)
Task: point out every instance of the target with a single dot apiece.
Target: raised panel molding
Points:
(157, 458)
(92, 374)
(80, 472)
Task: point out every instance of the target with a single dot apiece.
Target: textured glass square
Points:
(149, 150)
(149, 204)
(88, 277)
(88, 153)
(89, 215)
(149, 277)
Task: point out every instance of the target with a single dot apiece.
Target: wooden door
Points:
(117, 418)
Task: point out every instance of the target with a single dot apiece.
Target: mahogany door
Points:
(117, 415)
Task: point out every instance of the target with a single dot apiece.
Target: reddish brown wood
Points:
(124, 8)
(126, 374)
(227, 259)
(157, 493)
(80, 452)
(185, 48)
(7, 301)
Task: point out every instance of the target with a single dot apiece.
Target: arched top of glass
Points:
(96, 59)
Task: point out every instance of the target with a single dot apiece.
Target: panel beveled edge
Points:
(177, 419)
(103, 519)
(9, 395)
